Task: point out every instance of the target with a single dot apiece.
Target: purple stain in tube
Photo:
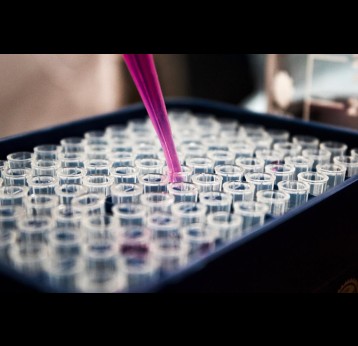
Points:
(144, 74)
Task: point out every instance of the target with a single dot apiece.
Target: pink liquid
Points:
(144, 74)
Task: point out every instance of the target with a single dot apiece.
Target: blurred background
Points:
(39, 90)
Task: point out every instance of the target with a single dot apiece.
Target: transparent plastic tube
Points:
(120, 146)
(21, 160)
(71, 175)
(96, 152)
(262, 181)
(317, 182)
(200, 240)
(125, 175)
(170, 254)
(42, 185)
(229, 172)
(126, 193)
(1, 182)
(318, 156)
(16, 176)
(146, 166)
(277, 201)
(3, 165)
(71, 160)
(206, 182)
(95, 137)
(68, 192)
(278, 135)
(298, 191)
(121, 159)
(220, 157)
(163, 225)
(157, 202)
(7, 241)
(189, 212)
(47, 152)
(216, 201)
(193, 149)
(9, 218)
(349, 162)
(102, 269)
(33, 230)
(184, 176)
(72, 145)
(45, 167)
(183, 192)
(300, 163)
(252, 213)
(227, 226)
(335, 173)
(115, 131)
(260, 140)
(281, 172)
(288, 149)
(269, 156)
(90, 203)
(99, 227)
(98, 184)
(240, 191)
(251, 165)
(97, 167)
(129, 215)
(145, 151)
(306, 142)
(67, 217)
(335, 148)
(13, 195)
(200, 165)
(242, 149)
(154, 182)
(41, 205)
(354, 153)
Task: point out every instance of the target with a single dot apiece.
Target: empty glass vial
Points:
(189, 212)
(45, 167)
(13, 195)
(157, 202)
(206, 182)
(262, 181)
(252, 213)
(98, 184)
(251, 164)
(47, 152)
(125, 174)
(200, 165)
(318, 156)
(70, 175)
(298, 191)
(21, 159)
(317, 182)
(16, 176)
(335, 173)
(229, 172)
(281, 172)
(300, 163)
(240, 191)
(97, 167)
(216, 201)
(277, 201)
(42, 184)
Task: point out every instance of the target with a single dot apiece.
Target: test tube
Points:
(251, 164)
(68, 192)
(269, 155)
(9, 218)
(47, 152)
(164, 225)
(13, 195)
(72, 145)
(200, 239)
(335, 148)
(42, 184)
(287, 148)
(90, 203)
(70, 175)
(157, 202)
(95, 137)
(96, 152)
(354, 153)
(126, 193)
(252, 213)
(154, 182)
(125, 174)
(189, 212)
(221, 157)
(34, 229)
(240, 191)
(335, 173)
(306, 142)
(200, 165)
(3, 165)
(170, 254)
(262, 181)
(318, 156)
(300, 163)
(184, 176)
(206, 182)
(317, 182)
(99, 227)
(41, 205)
(146, 166)
(129, 215)
(298, 191)
(120, 146)
(227, 226)
(259, 140)
(145, 151)
(71, 160)
(121, 159)
(68, 217)
(103, 270)
(183, 192)
(350, 162)
(229, 172)
(281, 172)
(16, 176)
(278, 135)
(98, 184)
(97, 167)
(216, 201)
(21, 160)
(116, 131)
(193, 149)
(277, 201)
(45, 167)
(242, 149)
(7, 241)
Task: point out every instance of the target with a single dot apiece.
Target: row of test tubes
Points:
(98, 213)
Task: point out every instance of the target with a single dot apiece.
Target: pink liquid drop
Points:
(144, 74)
